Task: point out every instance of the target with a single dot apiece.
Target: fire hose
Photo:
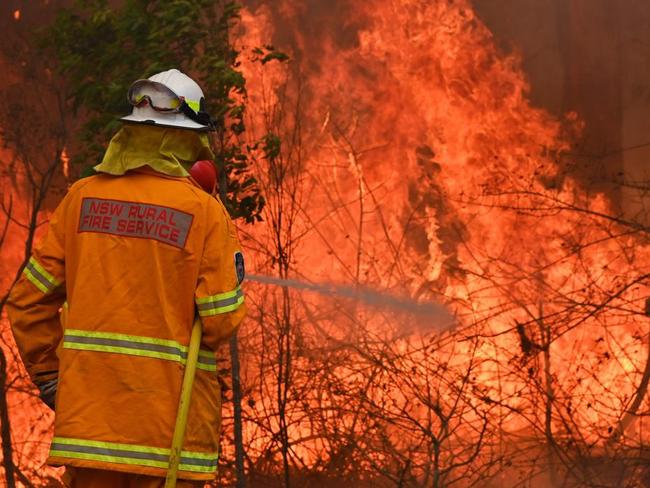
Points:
(184, 405)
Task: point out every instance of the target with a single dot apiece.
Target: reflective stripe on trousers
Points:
(112, 452)
(220, 303)
(135, 346)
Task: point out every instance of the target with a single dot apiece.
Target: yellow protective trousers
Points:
(96, 478)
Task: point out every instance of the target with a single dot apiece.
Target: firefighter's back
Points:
(133, 246)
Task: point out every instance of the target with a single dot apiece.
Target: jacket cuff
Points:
(44, 372)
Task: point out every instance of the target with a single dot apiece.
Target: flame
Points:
(423, 167)
(65, 164)
(413, 162)
(16, 14)
(31, 421)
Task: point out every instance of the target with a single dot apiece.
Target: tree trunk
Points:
(7, 451)
(236, 400)
(236, 381)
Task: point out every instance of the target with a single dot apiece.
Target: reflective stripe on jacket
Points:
(134, 258)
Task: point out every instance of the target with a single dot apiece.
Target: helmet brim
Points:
(186, 123)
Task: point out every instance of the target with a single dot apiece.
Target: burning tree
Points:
(33, 171)
(547, 281)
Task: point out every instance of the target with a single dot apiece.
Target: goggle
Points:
(163, 99)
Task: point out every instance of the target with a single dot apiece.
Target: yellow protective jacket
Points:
(130, 260)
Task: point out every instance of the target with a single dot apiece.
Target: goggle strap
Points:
(202, 118)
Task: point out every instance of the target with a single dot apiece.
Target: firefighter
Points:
(103, 310)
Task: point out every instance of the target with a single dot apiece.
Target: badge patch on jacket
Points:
(239, 266)
(135, 219)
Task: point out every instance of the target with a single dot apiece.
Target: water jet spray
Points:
(374, 298)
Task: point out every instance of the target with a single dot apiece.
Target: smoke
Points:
(336, 22)
(438, 314)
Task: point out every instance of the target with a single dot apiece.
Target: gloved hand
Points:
(48, 392)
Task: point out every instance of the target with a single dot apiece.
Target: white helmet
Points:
(168, 99)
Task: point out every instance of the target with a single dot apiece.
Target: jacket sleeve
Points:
(36, 299)
(219, 297)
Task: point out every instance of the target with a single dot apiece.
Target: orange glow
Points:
(16, 14)
(414, 162)
(425, 169)
(65, 162)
